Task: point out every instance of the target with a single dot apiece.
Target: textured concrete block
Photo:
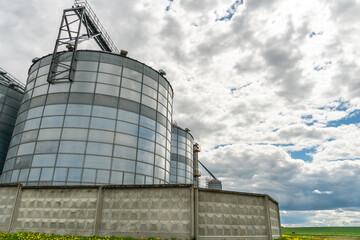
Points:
(227, 216)
(151, 212)
(7, 202)
(70, 211)
(140, 211)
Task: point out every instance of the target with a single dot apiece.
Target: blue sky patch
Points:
(304, 154)
(309, 121)
(169, 6)
(222, 145)
(314, 34)
(234, 89)
(346, 159)
(322, 67)
(231, 11)
(283, 145)
(307, 117)
(341, 106)
(351, 118)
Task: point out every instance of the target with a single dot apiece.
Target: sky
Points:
(270, 89)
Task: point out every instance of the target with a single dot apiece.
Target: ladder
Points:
(62, 65)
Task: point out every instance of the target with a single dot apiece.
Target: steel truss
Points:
(62, 66)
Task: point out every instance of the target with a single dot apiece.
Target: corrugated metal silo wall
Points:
(9, 105)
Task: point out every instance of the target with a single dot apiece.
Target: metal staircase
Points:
(95, 28)
(62, 63)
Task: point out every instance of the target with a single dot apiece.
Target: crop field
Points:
(291, 237)
(351, 233)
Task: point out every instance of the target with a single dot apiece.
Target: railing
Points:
(9, 79)
(95, 22)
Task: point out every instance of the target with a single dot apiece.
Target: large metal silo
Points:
(181, 170)
(110, 125)
(11, 92)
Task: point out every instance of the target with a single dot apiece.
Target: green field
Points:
(327, 232)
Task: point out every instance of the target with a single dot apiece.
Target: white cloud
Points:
(321, 218)
(322, 192)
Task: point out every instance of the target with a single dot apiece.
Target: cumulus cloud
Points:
(321, 218)
(256, 83)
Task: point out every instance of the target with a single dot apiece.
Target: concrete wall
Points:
(274, 218)
(152, 212)
(59, 211)
(7, 206)
(163, 211)
(229, 215)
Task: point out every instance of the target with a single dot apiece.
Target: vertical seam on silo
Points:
(89, 124)
(62, 130)
(116, 119)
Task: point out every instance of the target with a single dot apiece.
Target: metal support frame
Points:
(62, 68)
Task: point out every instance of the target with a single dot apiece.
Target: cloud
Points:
(294, 183)
(322, 218)
(322, 192)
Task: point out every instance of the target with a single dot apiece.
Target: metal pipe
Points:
(207, 170)
(197, 174)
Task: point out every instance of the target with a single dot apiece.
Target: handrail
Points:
(8, 78)
(96, 23)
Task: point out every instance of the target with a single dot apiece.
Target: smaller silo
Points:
(214, 184)
(181, 164)
(11, 92)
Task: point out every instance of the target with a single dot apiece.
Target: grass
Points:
(39, 236)
(337, 233)
(288, 237)
(324, 232)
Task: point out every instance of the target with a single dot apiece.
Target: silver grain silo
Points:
(11, 92)
(109, 124)
(181, 170)
(214, 184)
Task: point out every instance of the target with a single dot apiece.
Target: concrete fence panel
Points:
(7, 206)
(275, 219)
(58, 211)
(150, 212)
(164, 211)
(228, 215)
